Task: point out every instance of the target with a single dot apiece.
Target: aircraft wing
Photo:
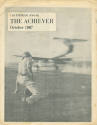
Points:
(62, 60)
(54, 60)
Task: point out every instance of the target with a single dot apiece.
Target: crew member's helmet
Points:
(27, 54)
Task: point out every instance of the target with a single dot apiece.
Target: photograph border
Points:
(50, 3)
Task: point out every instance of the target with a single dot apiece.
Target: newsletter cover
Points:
(48, 64)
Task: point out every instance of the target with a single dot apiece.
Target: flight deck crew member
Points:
(25, 78)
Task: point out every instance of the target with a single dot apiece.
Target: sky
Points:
(70, 23)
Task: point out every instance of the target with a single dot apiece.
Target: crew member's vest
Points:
(24, 66)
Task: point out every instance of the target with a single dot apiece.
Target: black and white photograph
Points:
(48, 62)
